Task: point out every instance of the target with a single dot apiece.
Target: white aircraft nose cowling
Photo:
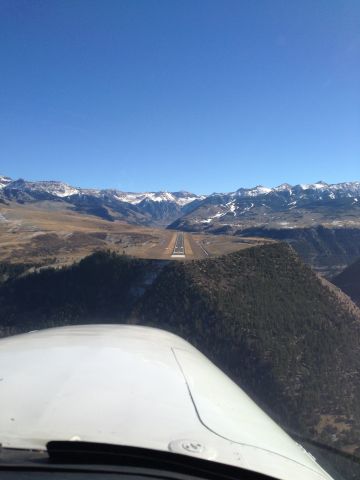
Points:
(140, 387)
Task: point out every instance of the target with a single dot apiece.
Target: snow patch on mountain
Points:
(246, 209)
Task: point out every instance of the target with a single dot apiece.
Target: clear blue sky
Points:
(200, 95)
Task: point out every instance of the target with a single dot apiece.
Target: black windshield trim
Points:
(88, 453)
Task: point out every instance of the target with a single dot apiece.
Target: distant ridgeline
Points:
(262, 315)
(146, 208)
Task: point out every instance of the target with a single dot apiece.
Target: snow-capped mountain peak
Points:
(314, 186)
(59, 189)
(283, 187)
(4, 180)
(253, 192)
(179, 198)
(55, 188)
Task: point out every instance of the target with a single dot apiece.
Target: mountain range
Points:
(285, 206)
(147, 208)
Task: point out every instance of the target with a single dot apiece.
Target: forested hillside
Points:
(267, 319)
(101, 287)
(260, 314)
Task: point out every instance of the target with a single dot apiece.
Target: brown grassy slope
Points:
(49, 233)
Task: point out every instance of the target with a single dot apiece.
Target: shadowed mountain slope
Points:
(327, 250)
(349, 281)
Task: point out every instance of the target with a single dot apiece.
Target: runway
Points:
(179, 248)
